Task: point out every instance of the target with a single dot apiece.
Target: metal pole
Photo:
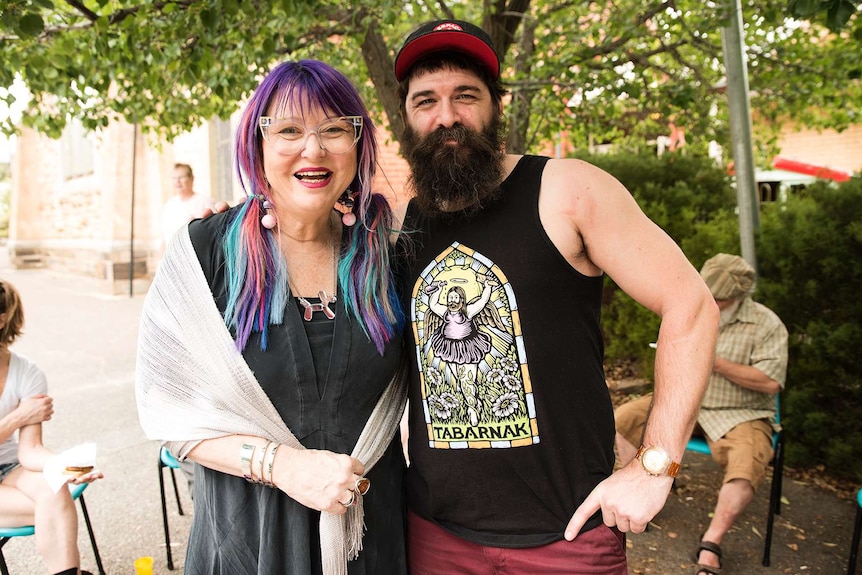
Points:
(740, 130)
(132, 217)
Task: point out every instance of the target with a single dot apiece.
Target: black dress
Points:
(243, 528)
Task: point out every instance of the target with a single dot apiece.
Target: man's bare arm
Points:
(598, 227)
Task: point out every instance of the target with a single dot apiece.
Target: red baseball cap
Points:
(445, 35)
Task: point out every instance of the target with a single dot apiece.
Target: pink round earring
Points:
(267, 221)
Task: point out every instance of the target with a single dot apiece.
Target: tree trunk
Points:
(501, 21)
(380, 68)
(519, 113)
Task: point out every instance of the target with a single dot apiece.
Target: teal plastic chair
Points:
(168, 461)
(699, 445)
(7, 533)
(857, 529)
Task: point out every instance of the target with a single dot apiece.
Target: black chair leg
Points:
(176, 491)
(161, 466)
(854, 545)
(774, 498)
(4, 570)
(92, 536)
(778, 473)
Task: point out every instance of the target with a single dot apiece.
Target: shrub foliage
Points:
(809, 256)
(810, 263)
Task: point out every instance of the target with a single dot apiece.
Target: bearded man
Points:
(525, 480)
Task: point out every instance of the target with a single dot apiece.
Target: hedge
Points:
(809, 255)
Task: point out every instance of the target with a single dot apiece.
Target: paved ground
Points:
(810, 537)
(85, 341)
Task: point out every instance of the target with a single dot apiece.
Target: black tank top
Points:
(511, 422)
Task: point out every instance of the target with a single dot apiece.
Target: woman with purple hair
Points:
(270, 348)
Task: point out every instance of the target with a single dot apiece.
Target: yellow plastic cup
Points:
(144, 566)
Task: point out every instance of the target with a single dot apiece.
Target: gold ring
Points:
(363, 484)
(350, 501)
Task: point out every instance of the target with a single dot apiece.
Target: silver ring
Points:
(363, 484)
(350, 501)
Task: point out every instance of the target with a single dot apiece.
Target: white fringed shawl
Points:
(193, 384)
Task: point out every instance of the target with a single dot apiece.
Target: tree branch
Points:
(446, 10)
(88, 14)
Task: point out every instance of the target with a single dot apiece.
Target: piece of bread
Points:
(77, 471)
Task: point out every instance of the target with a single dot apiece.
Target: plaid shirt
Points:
(754, 336)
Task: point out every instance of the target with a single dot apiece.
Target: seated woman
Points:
(25, 497)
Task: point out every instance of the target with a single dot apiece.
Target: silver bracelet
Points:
(259, 463)
(270, 460)
(246, 454)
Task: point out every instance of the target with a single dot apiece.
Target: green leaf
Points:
(209, 19)
(230, 7)
(37, 61)
(31, 25)
(58, 60)
(839, 14)
(805, 8)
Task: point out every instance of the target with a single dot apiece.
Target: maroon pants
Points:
(431, 550)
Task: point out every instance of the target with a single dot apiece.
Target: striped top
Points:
(754, 336)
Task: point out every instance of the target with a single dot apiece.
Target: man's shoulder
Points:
(571, 172)
(574, 173)
(760, 314)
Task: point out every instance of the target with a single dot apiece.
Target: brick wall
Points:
(842, 151)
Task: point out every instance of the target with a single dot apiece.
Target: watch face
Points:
(655, 460)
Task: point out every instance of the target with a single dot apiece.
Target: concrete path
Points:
(85, 339)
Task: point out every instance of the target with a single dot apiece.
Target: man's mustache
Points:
(457, 132)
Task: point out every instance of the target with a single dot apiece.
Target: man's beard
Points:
(450, 178)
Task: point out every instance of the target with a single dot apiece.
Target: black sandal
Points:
(708, 569)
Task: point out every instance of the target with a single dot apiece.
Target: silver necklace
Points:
(325, 299)
(310, 308)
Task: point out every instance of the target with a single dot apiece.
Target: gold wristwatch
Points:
(656, 461)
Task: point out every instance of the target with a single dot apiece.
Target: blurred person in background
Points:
(185, 205)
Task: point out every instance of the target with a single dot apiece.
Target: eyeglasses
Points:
(290, 136)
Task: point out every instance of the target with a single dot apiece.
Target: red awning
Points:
(821, 172)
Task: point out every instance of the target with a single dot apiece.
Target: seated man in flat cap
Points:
(738, 410)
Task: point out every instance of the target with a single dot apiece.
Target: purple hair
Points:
(256, 270)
